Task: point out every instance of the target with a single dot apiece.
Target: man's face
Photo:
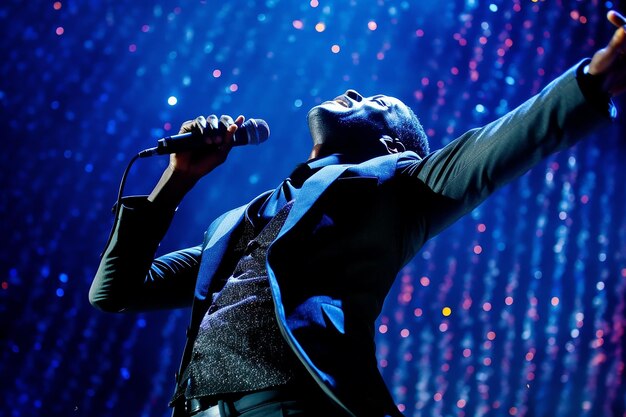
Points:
(353, 123)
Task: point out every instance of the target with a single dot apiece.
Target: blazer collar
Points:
(303, 171)
(310, 193)
(312, 188)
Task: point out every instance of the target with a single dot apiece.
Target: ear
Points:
(393, 145)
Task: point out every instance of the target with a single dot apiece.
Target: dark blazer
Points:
(350, 231)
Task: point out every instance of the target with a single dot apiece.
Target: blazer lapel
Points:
(310, 193)
(319, 182)
(214, 250)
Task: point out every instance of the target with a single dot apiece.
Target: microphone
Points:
(251, 132)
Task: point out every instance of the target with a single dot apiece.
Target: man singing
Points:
(285, 290)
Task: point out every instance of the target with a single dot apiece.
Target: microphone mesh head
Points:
(257, 131)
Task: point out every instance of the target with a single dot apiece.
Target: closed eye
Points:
(378, 100)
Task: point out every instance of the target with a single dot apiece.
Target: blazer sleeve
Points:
(465, 172)
(129, 278)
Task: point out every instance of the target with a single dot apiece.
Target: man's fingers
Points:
(616, 18)
(226, 120)
(212, 121)
(228, 123)
(200, 124)
(217, 131)
(234, 125)
(617, 44)
(186, 126)
(212, 130)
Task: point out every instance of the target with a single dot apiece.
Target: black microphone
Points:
(251, 132)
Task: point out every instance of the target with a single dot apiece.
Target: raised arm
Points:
(469, 169)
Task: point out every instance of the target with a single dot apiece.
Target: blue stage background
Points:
(517, 310)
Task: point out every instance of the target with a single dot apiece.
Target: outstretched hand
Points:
(610, 62)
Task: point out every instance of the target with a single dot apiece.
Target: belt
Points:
(229, 406)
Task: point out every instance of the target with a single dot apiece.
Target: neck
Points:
(315, 152)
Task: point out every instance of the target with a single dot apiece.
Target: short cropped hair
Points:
(411, 133)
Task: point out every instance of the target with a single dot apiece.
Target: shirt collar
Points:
(304, 170)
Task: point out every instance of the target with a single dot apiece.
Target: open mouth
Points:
(342, 101)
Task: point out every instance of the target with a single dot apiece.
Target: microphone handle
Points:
(187, 141)
(253, 132)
